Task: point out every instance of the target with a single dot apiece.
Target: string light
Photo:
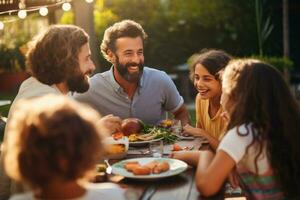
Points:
(43, 11)
(22, 14)
(66, 6)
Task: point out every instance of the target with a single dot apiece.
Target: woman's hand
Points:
(189, 130)
(110, 124)
(233, 179)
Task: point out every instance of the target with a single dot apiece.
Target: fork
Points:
(108, 168)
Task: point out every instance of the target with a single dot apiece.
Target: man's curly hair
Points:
(125, 28)
(53, 56)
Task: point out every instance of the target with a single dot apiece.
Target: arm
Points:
(182, 114)
(212, 171)
(187, 129)
(190, 157)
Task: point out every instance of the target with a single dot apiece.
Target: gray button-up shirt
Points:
(155, 95)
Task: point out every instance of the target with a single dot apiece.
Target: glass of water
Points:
(156, 148)
(176, 127)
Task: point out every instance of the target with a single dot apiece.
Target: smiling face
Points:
(128, 58)
(79, 80)
(206, 84)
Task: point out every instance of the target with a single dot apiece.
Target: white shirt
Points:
(235, 146)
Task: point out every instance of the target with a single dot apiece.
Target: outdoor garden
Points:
(177, 29)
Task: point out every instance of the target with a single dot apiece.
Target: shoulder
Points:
(155, 74)
(242, 132)
(31, 87)
(99, 77)
(236, 141)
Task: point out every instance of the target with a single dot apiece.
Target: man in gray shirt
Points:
(129, 89)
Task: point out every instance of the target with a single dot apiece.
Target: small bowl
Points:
(116, 149)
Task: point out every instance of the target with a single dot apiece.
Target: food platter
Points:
(176, 167)
(143, 143)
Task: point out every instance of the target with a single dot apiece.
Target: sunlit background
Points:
(177, 29)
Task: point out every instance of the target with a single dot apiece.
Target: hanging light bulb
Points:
(1, 25)
(89, 1)
(22, 14)
(66, 6)
(43, 11)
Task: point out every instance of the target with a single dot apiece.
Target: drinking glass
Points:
(156, 148)
(176, 127)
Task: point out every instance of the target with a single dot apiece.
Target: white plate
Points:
(182, 137)
(143, 143)
(110, 140)
(176, 167)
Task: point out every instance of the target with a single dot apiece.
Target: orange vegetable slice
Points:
(117, 135)
(176, 147)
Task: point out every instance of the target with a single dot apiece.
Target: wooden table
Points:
(179, 187)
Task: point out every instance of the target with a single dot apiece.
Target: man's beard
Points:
(78, 83)
(122, 69)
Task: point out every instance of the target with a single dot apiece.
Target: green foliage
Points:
(279, 62)
(16, 35)
(264, 27)
(102, 19)
(67, 18)
(12, 60)
(179, 28)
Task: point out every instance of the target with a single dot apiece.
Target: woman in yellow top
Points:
(205, 74)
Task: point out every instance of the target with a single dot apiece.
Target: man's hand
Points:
(110, 124)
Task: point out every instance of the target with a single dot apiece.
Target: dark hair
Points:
(61, 139)
(125, 28)
(53, 57)
(258, 95)
(213, 60)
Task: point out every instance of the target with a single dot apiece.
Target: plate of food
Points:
(142, 139)
(141, 134)
(116, 147)
(149, 168)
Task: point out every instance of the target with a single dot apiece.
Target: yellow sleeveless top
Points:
(214, 126)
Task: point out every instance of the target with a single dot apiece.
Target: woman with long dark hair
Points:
(262, 135)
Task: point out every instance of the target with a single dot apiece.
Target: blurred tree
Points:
(264, 27)
(177, 29)
(84, 17)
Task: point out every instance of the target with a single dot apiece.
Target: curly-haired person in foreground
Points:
(262, 137)
(53, 147)
(59, 61)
